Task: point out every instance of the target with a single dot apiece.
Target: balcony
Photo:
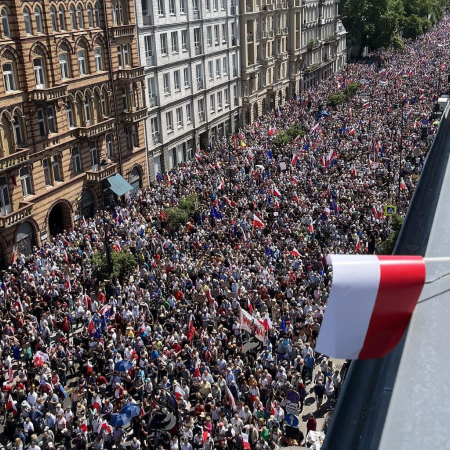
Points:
(249, 8)
(124, 30)
(50, 94)
(196, 14)
(198, 50)
(278, 31)
(155, 139)
(150, 61)
(270, 7)
(152, 102)
(270, 34)
(249, 37)
(285, 30)
(95, 130)
(10, 161)
(284, 5)
(263, 34)
(102, 173)
(132, 74)
(257, 35)
(136, 116)
(267, 61)
(16, 217)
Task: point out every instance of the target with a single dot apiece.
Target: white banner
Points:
(250, 324)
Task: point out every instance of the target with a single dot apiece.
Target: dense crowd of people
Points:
(220, 315)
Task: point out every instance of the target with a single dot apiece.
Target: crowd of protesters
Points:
(77, 353)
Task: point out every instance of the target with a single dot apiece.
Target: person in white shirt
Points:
(28, 428)
(186, 445)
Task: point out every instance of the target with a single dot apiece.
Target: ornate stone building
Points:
(72, 111)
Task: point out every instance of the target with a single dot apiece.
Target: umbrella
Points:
(123, 366)
(119, 420)
(131, 410)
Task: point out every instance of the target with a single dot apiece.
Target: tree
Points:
(124, 264)
(412, 27)
(336, 99)
(179, 215)
(285, 137)
(387, 247)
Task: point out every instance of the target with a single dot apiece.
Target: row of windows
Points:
(171, 6)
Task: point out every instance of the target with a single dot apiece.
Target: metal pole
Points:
(400, 160)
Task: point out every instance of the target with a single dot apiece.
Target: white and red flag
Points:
(11, 405)
(257, 222)
(371, 302)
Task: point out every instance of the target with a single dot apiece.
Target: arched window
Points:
(27, 20)
(53, 18)
(104, 104)
(90, 16)
(87, 111)
(9, 77)
(5, 23)
(70, 116)
(80, 16)
(126, 54)
(62, 17)
(125, 99)
(120, 56)
(64, 65)
(39, 73)
(97, 15)
(73, 18)
(5, 201)
(109, 146)
(82, 63)
(114, 15)
(76, 159)
(121, 19)
(18, 130)
(98, 59)
(38, 19)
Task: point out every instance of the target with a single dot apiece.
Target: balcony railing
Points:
(263, 34)
(257, 35)
(124, 30)
(102, 173)
(278, 31)
(284, 5)
(249, 8)
(14, 160)
(50, 94)
(270, 7)
(249, 37)
(199, 84)
(198, 50)
(147, 20)
(152, 102)
(155, 139)
(285, 30)
(17, 216)
(149, 61)
(136, 116)
(270, 34)
(95, 130)
(130, 74)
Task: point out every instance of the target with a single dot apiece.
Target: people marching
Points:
(221, 313)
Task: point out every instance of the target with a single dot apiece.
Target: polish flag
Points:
(10, 372)
(358, 245)
(11, 404)
(366, 105)
(267, 322)
(249, 306)
(352, 132)
(272, 130)
(13, 256)
(326, 211)
(198, 156)
(216, 202)
(294, 159)
(209, 297)
(65, 257)
(179, 393)
(375, 212)
(371, 302)
(315, 127)
(311, 228)
(257, 222)
(350, 112)
(295, 180)
(250, 155)
(68, 284)
(221, 185)
(231, 398)
(276, 192)
(197, 370)
(245, 442)
(422, 97)
(277, 203)
(298, 139)
(295, 252)
(402, 184)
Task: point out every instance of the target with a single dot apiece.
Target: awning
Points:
(118, 184)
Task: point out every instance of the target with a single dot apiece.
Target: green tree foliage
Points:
(285, 137)
(179, 215)
(124, 264)
(412, 27)
(340, 97)
(387, 247)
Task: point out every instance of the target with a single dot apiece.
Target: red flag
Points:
(295, 252)
(11, 405)
(257, 222)
(358, 246)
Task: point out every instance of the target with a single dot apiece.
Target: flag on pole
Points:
(295, 252)
(276, 192)
(245, 442)
(257, 222)
(11, 405)
(179, 393)
(267, 322)
(231, 398)
(358, 245)
(13, 256)
(370, 305)
(10, 372)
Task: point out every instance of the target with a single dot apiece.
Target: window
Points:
(114, 14)
(197, 37)
(121, 15)
(199, 76)
(87, 111)
(163, 38)
(174, 38)
(76, 160)
(208, 5)
(73, 18)
(47, 174)
(94, 155)
(161, 7)
(82, 67)
(154, 127)
(103, 104)
(38, 19)
(187, 78)
(52, 18)
(41, 122)
(224, 32)
(25, 180)
(109, 146)
(166, 83)
(223, 5)
(176, 80)
(182, 7)
(216, 5)
(38, 64)
(226, 95)
(209, 35)
(56, 169)
(5, 202)
(212, 103)
(120, 56)
(188, 113)
(27, 20)
(148, 45)
(195, 5)
(125, 99)
(219, 100)
(98, 59)
(179, 117)
(152, 91)
(80, 16)
(17, 127)
(62, 17)
(225, 65)
(169, 122)
(218, 69)
(64, 66)
(172, 7)
(9, 77)
(210, 70)
(201, 110)
(183, 39)
(233, 63)
(69, 114)
(51, 120)
(172, 158)
(216, 34)
(126, 54)
(90, 17)
(97, 14)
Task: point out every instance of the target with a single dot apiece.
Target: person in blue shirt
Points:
(310, 362)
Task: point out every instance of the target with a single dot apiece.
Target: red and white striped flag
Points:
(179, 392)
(371, 302)
(10, 372)
(231, 398)
(257, 222)
(11, 405)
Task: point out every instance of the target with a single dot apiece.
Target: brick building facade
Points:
(72, 113)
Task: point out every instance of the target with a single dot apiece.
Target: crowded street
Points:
(220, 315)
